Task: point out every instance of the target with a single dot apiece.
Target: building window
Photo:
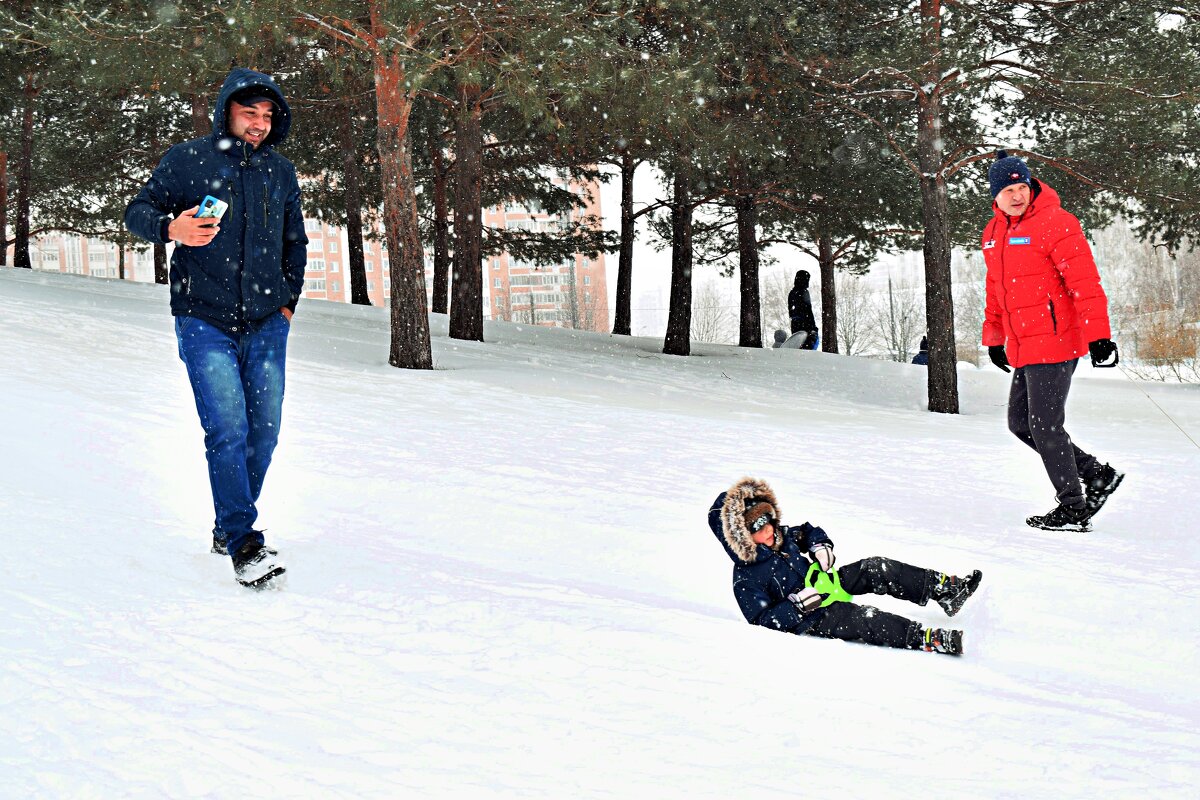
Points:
(316, 264)
(498, 284)
(312, 224)
(335, 286)
(314, 285)
(333, 266)
(370, 286)
(370, 267)
(333, 245)
(587, 280)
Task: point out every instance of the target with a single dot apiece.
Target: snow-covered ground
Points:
(502, 584)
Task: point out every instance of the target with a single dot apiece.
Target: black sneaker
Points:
(218, 546)
(1063, 518)
(256, 565)
(1100, 487)
(938, 640)
(951, 592)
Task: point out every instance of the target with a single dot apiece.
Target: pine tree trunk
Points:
(441, 231)
(622, 324)
(121, 250)
(3, 209)
(750, 334)
(466, 302)
(939, 302)
(161, 274)
(410, 345)
(679, 317)
(354, 226)
(201, 119)
(25, 178)
(828, 295)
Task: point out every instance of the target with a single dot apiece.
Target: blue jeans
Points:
(237, 380)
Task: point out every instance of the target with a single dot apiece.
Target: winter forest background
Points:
(843, 130)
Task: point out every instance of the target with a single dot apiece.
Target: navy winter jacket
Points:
(762, 586)
(255, 265)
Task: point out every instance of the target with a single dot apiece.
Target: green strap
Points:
(821, 582)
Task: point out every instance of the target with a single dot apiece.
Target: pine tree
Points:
(922, 73)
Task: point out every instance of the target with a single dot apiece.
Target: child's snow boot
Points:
(951, 592)
(938, 640)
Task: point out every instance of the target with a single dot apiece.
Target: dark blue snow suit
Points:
(255, 265)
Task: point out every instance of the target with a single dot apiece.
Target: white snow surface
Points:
(502, 583)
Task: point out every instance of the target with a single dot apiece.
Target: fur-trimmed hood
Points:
(730, 525)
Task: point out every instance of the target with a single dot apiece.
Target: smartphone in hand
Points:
(211, 208)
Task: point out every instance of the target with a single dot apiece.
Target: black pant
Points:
(1037, 409)
(857, 623)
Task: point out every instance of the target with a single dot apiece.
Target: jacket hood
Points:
(241, 78)
(1044, 197)
(725, 518)
(802, 279)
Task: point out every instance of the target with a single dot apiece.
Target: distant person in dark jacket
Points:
(784, 579)
(922, 356)
(800, 310)
(234, 287)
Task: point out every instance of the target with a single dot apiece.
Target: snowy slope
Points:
(502, 584)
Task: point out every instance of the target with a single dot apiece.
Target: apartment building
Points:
(84, 255)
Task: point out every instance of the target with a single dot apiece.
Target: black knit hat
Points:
(1007, 170)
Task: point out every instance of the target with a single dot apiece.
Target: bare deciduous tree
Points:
(774, 304)
(854, 316)
(714, 317)
(969, 303)
(900, 319)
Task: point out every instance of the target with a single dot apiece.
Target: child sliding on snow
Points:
(783, 578)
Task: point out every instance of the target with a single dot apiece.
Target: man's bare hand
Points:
(187, 229)
(287, 314)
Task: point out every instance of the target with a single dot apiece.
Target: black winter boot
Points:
(938, 640)
(1100, 487)
(256, 565)
(1063, 518)
(951, 592)
(219, 546)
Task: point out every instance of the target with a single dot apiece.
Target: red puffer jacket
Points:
(1044, 299)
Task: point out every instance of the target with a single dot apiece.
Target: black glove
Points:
(1101, 350)
(999, 358)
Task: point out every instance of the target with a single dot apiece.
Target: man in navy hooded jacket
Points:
(234, 288)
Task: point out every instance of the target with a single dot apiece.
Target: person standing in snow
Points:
(784, 579)
(800, 310)
(234, 288)
(1045, 309)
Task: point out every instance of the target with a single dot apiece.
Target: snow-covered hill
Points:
(502, 584)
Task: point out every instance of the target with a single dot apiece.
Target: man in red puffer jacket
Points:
(1045, 309)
